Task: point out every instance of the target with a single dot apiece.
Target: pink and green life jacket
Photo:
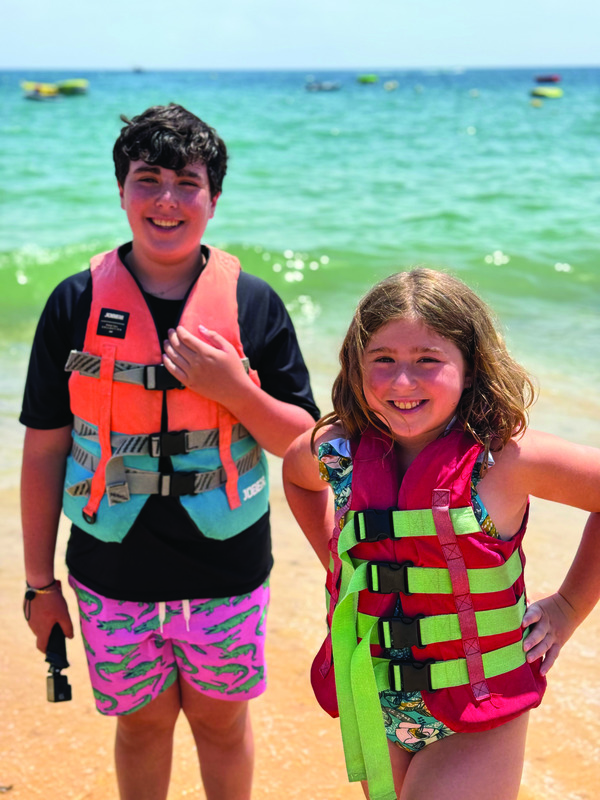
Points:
(416, 545)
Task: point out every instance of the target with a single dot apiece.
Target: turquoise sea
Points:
(328, 192)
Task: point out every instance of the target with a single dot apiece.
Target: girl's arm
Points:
(554, 619)
(309, 496)
(554, 469)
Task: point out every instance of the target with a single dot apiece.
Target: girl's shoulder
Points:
(330, 434)
(550, 467)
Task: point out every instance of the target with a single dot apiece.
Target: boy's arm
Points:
(44, 456)
(211, 366)
(308, 496)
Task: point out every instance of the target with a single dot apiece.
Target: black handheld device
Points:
(58, 688)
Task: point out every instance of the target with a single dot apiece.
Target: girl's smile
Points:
(413, 379)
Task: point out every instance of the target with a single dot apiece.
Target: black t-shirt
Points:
(164, 556)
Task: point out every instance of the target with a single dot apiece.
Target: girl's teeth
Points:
(406, 406)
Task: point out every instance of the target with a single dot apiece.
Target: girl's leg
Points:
(144, 748)
(469, 766)
(400, 759)
(225, 744)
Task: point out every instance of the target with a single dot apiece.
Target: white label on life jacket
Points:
(255, 488)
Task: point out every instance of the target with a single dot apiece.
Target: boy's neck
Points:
(168, 281)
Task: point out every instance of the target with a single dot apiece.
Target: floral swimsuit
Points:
(408, 721)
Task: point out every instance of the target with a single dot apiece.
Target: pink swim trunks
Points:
(137, 650)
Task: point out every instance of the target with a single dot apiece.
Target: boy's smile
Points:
(413, 379)
(168, 212)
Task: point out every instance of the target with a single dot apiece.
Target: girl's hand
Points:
(552, 622)
(209, 365)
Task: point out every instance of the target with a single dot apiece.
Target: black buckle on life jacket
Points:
(385, 577)
(377, 525)
(169, 443)
(177, 484)
(398, 632)
(158, 378)
(410, 676)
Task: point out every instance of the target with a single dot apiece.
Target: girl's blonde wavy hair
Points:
(493, 410)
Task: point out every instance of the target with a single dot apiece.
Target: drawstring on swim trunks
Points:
(162, 615)
(185, 604)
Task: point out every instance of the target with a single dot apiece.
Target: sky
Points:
(298, 34)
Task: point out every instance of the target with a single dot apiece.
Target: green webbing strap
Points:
(373, 739)
(446, 674)
(417, 522)
(436, 580)
(343, 643)
(445, 627)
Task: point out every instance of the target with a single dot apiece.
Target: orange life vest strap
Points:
(107, 368)
(231, 487)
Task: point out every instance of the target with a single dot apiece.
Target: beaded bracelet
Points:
(31, 592)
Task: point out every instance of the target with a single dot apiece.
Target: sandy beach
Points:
(65, 749)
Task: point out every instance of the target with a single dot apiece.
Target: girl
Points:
(432, 660)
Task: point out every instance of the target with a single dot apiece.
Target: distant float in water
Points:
(549, 92)
(36, 90)
(390, 86)
(547, 78)
(369, 77)
(73, 86)
(39, 91)
(323, 86)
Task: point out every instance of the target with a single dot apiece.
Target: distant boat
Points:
(368, 77)
(34, 90)
(323, 86)
(547, 78)
(73, 86)
(547, 91)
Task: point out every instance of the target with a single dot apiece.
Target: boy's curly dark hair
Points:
(170, 137)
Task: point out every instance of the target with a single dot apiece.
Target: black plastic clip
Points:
(169, 443)
(177, 484)
(158, 378)
(385, 577)
(398, 632)
(377, 525)
(411, 676)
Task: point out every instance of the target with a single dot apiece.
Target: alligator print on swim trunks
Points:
(137, 650)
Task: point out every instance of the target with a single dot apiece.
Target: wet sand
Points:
(65, 750)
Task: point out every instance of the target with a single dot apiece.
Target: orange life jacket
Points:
(130, 412)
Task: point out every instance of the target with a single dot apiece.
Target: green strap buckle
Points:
(398, 632)
(373, 526)
(385, 578)
(411, 676)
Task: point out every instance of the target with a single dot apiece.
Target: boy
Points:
(179, 370)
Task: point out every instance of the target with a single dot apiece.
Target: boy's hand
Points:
(45, 611)
(210, 366)
(552, 622)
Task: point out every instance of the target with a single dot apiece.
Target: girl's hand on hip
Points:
(552, 622)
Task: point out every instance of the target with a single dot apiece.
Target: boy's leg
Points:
(223, 734)
(221, 660)
(469, 766)
(144, 748)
